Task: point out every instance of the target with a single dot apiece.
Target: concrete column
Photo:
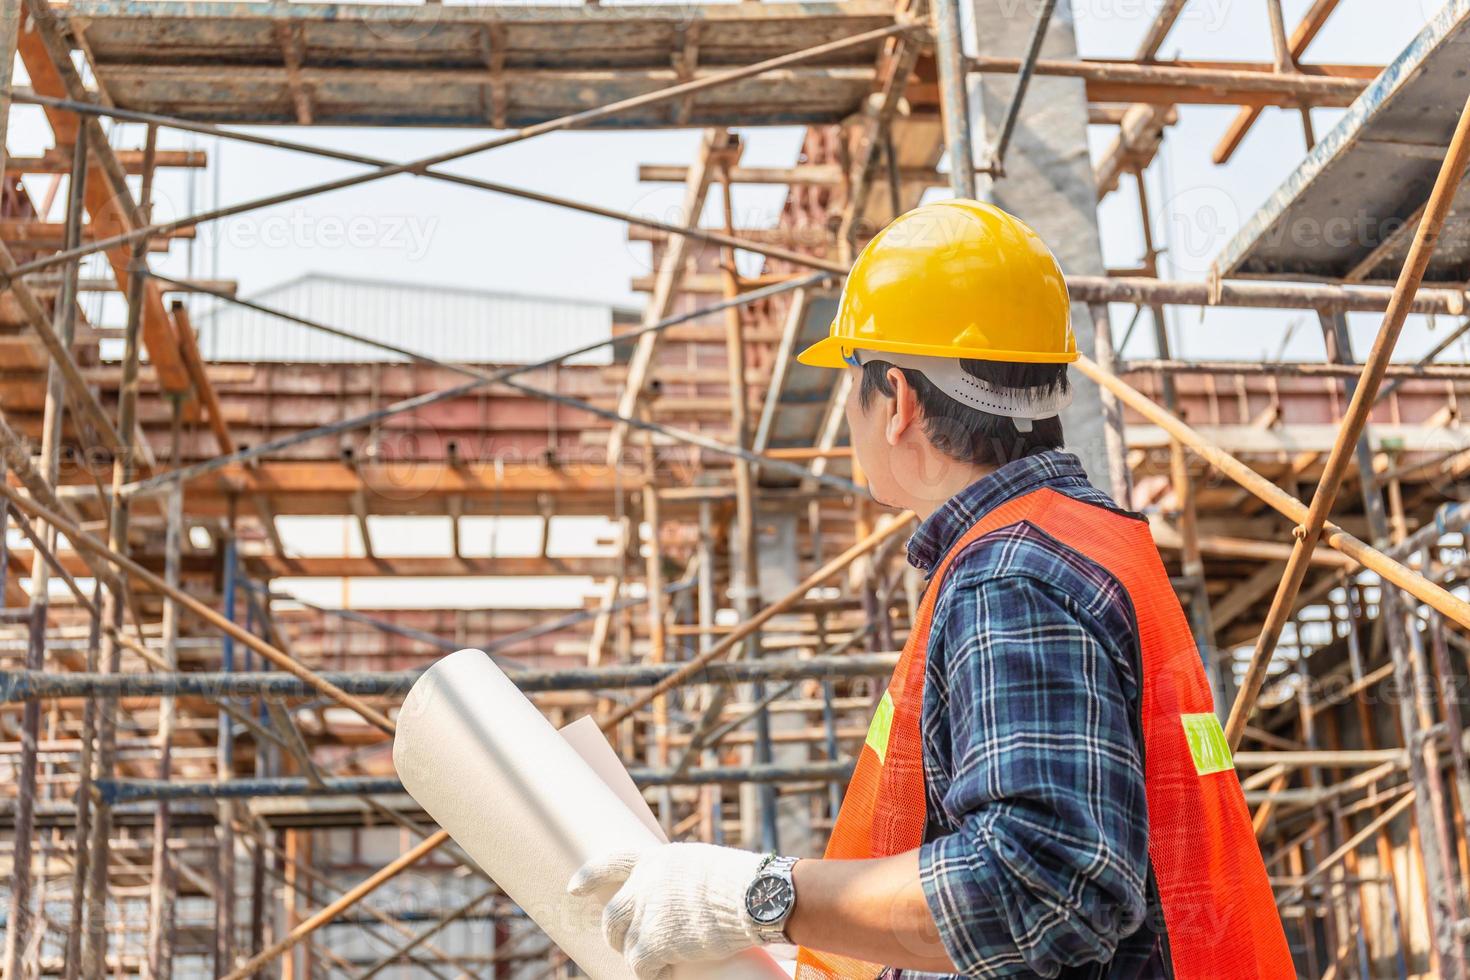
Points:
(1048, 181)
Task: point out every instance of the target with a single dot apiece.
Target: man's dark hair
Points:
(968, 434)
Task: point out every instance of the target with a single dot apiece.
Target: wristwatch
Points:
(770, 899)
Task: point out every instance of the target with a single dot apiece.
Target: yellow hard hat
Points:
(953, 279)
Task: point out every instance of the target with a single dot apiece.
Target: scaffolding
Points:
(200, 780)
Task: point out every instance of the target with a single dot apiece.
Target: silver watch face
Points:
(769, 899)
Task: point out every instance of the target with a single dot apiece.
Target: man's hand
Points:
(677, 903)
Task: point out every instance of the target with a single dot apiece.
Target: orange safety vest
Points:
(1216, 900)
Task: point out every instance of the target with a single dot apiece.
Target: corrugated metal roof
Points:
(445, 322)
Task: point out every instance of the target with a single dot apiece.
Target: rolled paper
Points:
(481, 760)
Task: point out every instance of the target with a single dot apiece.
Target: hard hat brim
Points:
(825, 353)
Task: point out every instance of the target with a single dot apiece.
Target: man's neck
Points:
(956, 477)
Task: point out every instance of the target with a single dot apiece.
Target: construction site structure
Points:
(197, 776)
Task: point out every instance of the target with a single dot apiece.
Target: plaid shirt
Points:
(1036, 850)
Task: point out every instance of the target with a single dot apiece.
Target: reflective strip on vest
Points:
(882, 724)
(1207, 743)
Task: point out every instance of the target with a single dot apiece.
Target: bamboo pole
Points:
(1415, 265)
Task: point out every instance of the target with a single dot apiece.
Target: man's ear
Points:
(905, 406)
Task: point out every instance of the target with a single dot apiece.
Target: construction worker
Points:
(1045, 789)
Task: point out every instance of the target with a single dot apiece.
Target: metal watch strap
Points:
(775, 932)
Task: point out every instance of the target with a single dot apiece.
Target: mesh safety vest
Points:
(1216, 900)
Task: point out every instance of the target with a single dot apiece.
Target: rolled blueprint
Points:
(490, 769)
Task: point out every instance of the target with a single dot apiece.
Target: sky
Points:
(409, 228)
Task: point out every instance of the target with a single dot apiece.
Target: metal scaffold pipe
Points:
(116, 791)
(23, 685)
(125, 565)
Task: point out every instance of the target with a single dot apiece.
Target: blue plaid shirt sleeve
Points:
(1032, 710)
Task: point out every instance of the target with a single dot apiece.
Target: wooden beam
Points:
(714, 146)
(1139, 134)
(1158, 31)
(1301, 38)
(47, 59)
(435, 566)
(1246, 594)
(26, 231)
(1168, 538)
(194, 364)
(58, 161)
(1179, 83)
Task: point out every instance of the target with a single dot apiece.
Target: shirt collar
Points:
(940, 530)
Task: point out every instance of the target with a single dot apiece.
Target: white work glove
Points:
(678, 903)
